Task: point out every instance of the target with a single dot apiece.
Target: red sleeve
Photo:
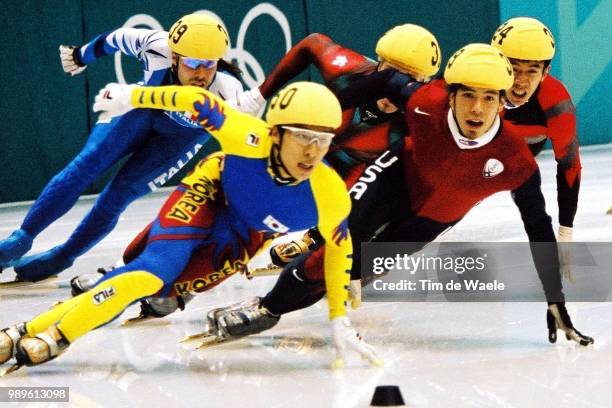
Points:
(527, 131)
(561, 123)
(331, 59)
(428, 100)
(440, 83)
(560, 114)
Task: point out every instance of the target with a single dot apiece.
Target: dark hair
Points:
(229, 67)
(546, 62)
(453, 88)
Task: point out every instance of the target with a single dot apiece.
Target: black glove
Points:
(558, 318)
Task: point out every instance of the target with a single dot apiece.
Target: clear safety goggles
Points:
(306, 137)
(194, 63)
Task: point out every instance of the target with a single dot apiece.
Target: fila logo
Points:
(252, 140)
(492, 168)
(369, 174)
(340, 61)
(420, 112)
(275, 225)
(103, 295)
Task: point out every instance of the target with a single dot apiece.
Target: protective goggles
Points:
(306, 137)
(194, 63)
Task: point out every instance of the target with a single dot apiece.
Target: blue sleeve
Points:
(130, 41)
(95, 49)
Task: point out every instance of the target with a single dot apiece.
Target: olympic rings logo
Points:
(243, 57)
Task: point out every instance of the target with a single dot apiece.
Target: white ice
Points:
(440, 354)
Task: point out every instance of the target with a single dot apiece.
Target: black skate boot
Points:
(234, 322)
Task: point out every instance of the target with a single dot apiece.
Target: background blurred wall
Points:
(583, 57)
(46, 115)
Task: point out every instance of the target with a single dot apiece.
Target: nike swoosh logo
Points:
(420, 112)
(297, 277)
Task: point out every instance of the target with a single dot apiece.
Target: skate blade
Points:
(209, 341)
(11, 369)
(270, 270)
(49, 283)
(195, 337)
(134, 320)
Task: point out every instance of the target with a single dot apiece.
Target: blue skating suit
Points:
(159, 142)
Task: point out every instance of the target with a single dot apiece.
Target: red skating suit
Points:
(366, 132)
(550, 113)
(445, 181)
(439, 181)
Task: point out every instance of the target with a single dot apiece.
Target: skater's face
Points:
(527, 76)
(475, 109)
(301, 152)
(195, 72)
(385, 105)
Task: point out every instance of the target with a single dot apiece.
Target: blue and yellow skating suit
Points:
(253, 197)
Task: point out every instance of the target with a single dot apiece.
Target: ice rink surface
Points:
(440, 354)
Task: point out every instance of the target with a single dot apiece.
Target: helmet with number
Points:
(198, 36)
(410, 47)
(524, 38)
(479, 66)
(305, 103)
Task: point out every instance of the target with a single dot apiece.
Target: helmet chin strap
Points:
(276, 167)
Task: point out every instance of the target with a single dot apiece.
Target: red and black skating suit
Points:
(550, 114)
(366, 132)
(427, 183)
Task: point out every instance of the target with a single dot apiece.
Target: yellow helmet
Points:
(305, 103)
(479, 66)
(410, 47)
(526, 39)
(198, 36)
